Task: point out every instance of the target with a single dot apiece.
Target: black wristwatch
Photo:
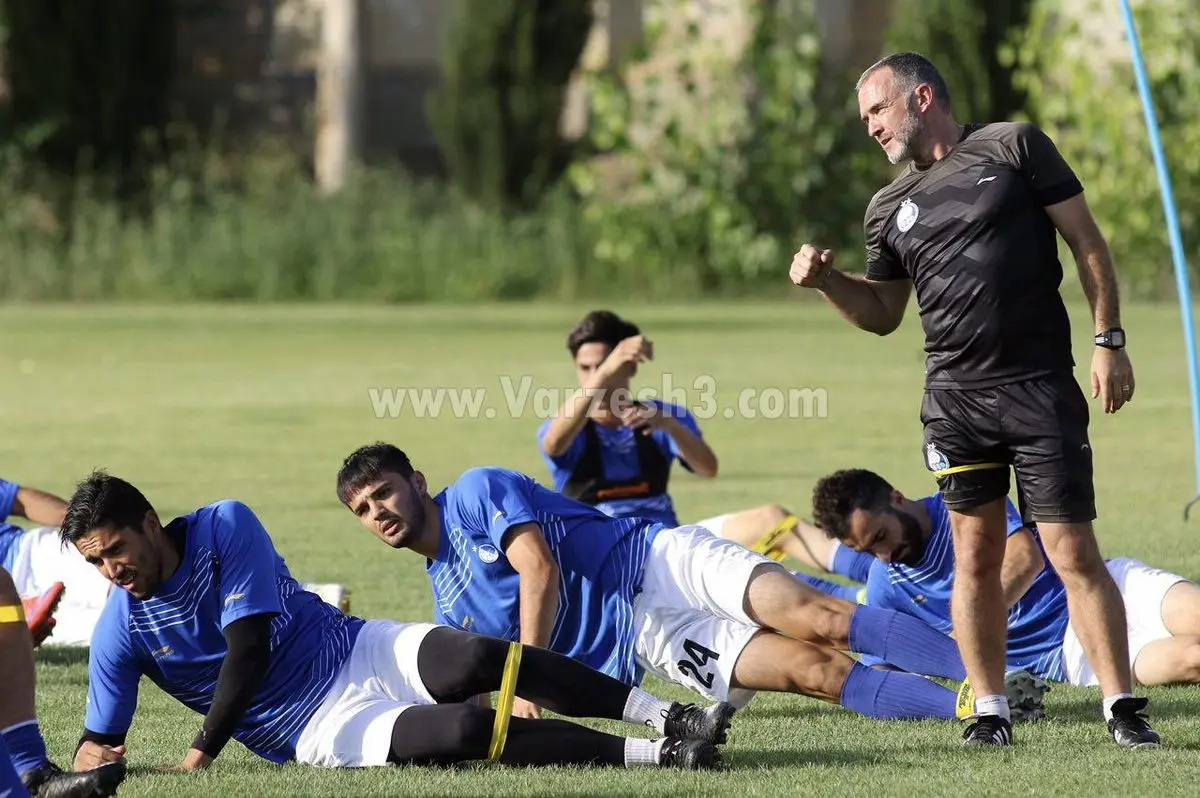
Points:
(1111, 339)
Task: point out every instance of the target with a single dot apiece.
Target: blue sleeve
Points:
(564, 462)
(880, 592)
(247, 563)
(8, 495)
(113, 675)
(1015, 523)
(494, 500)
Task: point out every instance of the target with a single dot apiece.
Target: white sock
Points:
(642, 752)
(645, 710)
(833, 550)
(1112, 699)
(992, 705)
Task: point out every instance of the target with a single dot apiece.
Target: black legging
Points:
(456, 666)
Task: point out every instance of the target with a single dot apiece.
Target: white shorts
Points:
(353, 726)
(42, 560)
(1143, 589)
(689, 618)
(716, 524)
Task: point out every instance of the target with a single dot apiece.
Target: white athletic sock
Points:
(646, 710)
(833, 550)
(642, 752)
(1112, 699)
(992, 705)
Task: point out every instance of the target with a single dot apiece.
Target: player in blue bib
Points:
(510, 558)
(209, 612)
(604, 449)
(911, 542)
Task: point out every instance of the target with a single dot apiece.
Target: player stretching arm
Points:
(206, 596)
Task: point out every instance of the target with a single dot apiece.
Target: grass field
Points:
(262, 404)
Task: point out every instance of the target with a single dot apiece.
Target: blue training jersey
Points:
(229, 570)
(10, 534)
(599, 558)
(1037, 623)
(619, 455)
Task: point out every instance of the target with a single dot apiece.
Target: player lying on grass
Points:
(911, 540)
(209, 612)
(62, 594)
(25, 767)
(604, 449)
(510, 558)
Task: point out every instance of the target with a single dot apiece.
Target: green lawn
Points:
(262, 404)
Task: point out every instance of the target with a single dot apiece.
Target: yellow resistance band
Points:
(768, 543)
(12, 613)
(945, 472)
(508, 691)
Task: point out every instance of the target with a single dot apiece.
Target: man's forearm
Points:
(245, 666)
(539, 606)
(857, 302)
(1099, 280)
(693, 450)
(40, 507)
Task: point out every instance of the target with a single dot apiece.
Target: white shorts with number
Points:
(690, 619)
(1143, 589)
(353, 726)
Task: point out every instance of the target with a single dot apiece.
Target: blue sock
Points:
(852, 564)
(895, 696)
(846, 592)
(10, 782)
(906, 642)
(25, 745)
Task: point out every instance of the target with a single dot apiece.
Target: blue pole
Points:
(1168, 201)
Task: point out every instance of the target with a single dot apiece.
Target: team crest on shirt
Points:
(906, 217)
(935, 459)
(488, 553)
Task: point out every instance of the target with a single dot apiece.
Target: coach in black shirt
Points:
(972, 223)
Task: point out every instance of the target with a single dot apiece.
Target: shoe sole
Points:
(1029, 693)
(724, 719)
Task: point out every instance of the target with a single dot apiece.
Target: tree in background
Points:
(496, 117)
(968, 42)
(1076, 70)
(88, 79)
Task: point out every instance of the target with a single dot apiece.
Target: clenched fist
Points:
(811, 266)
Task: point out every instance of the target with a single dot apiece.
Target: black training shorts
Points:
(1038, 427)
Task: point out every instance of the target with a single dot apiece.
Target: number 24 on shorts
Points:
(699, 658)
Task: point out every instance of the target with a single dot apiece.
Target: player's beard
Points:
(908, 135)
(913, 536)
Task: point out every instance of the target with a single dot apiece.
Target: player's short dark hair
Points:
(911, 69)
(837, 496)
(367, 464)
(600, 327)
(102, 501)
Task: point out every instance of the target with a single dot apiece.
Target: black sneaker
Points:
(51, 781)
(690, 722)
(988, 730)
(1128, 724)
(689, 755)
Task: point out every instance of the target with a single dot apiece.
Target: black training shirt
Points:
(972, 234)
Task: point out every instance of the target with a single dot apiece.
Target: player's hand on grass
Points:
(811, 266)
(194, 760)
(1112, 378)
(626, 355)
(92, 755)
(524, 709)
